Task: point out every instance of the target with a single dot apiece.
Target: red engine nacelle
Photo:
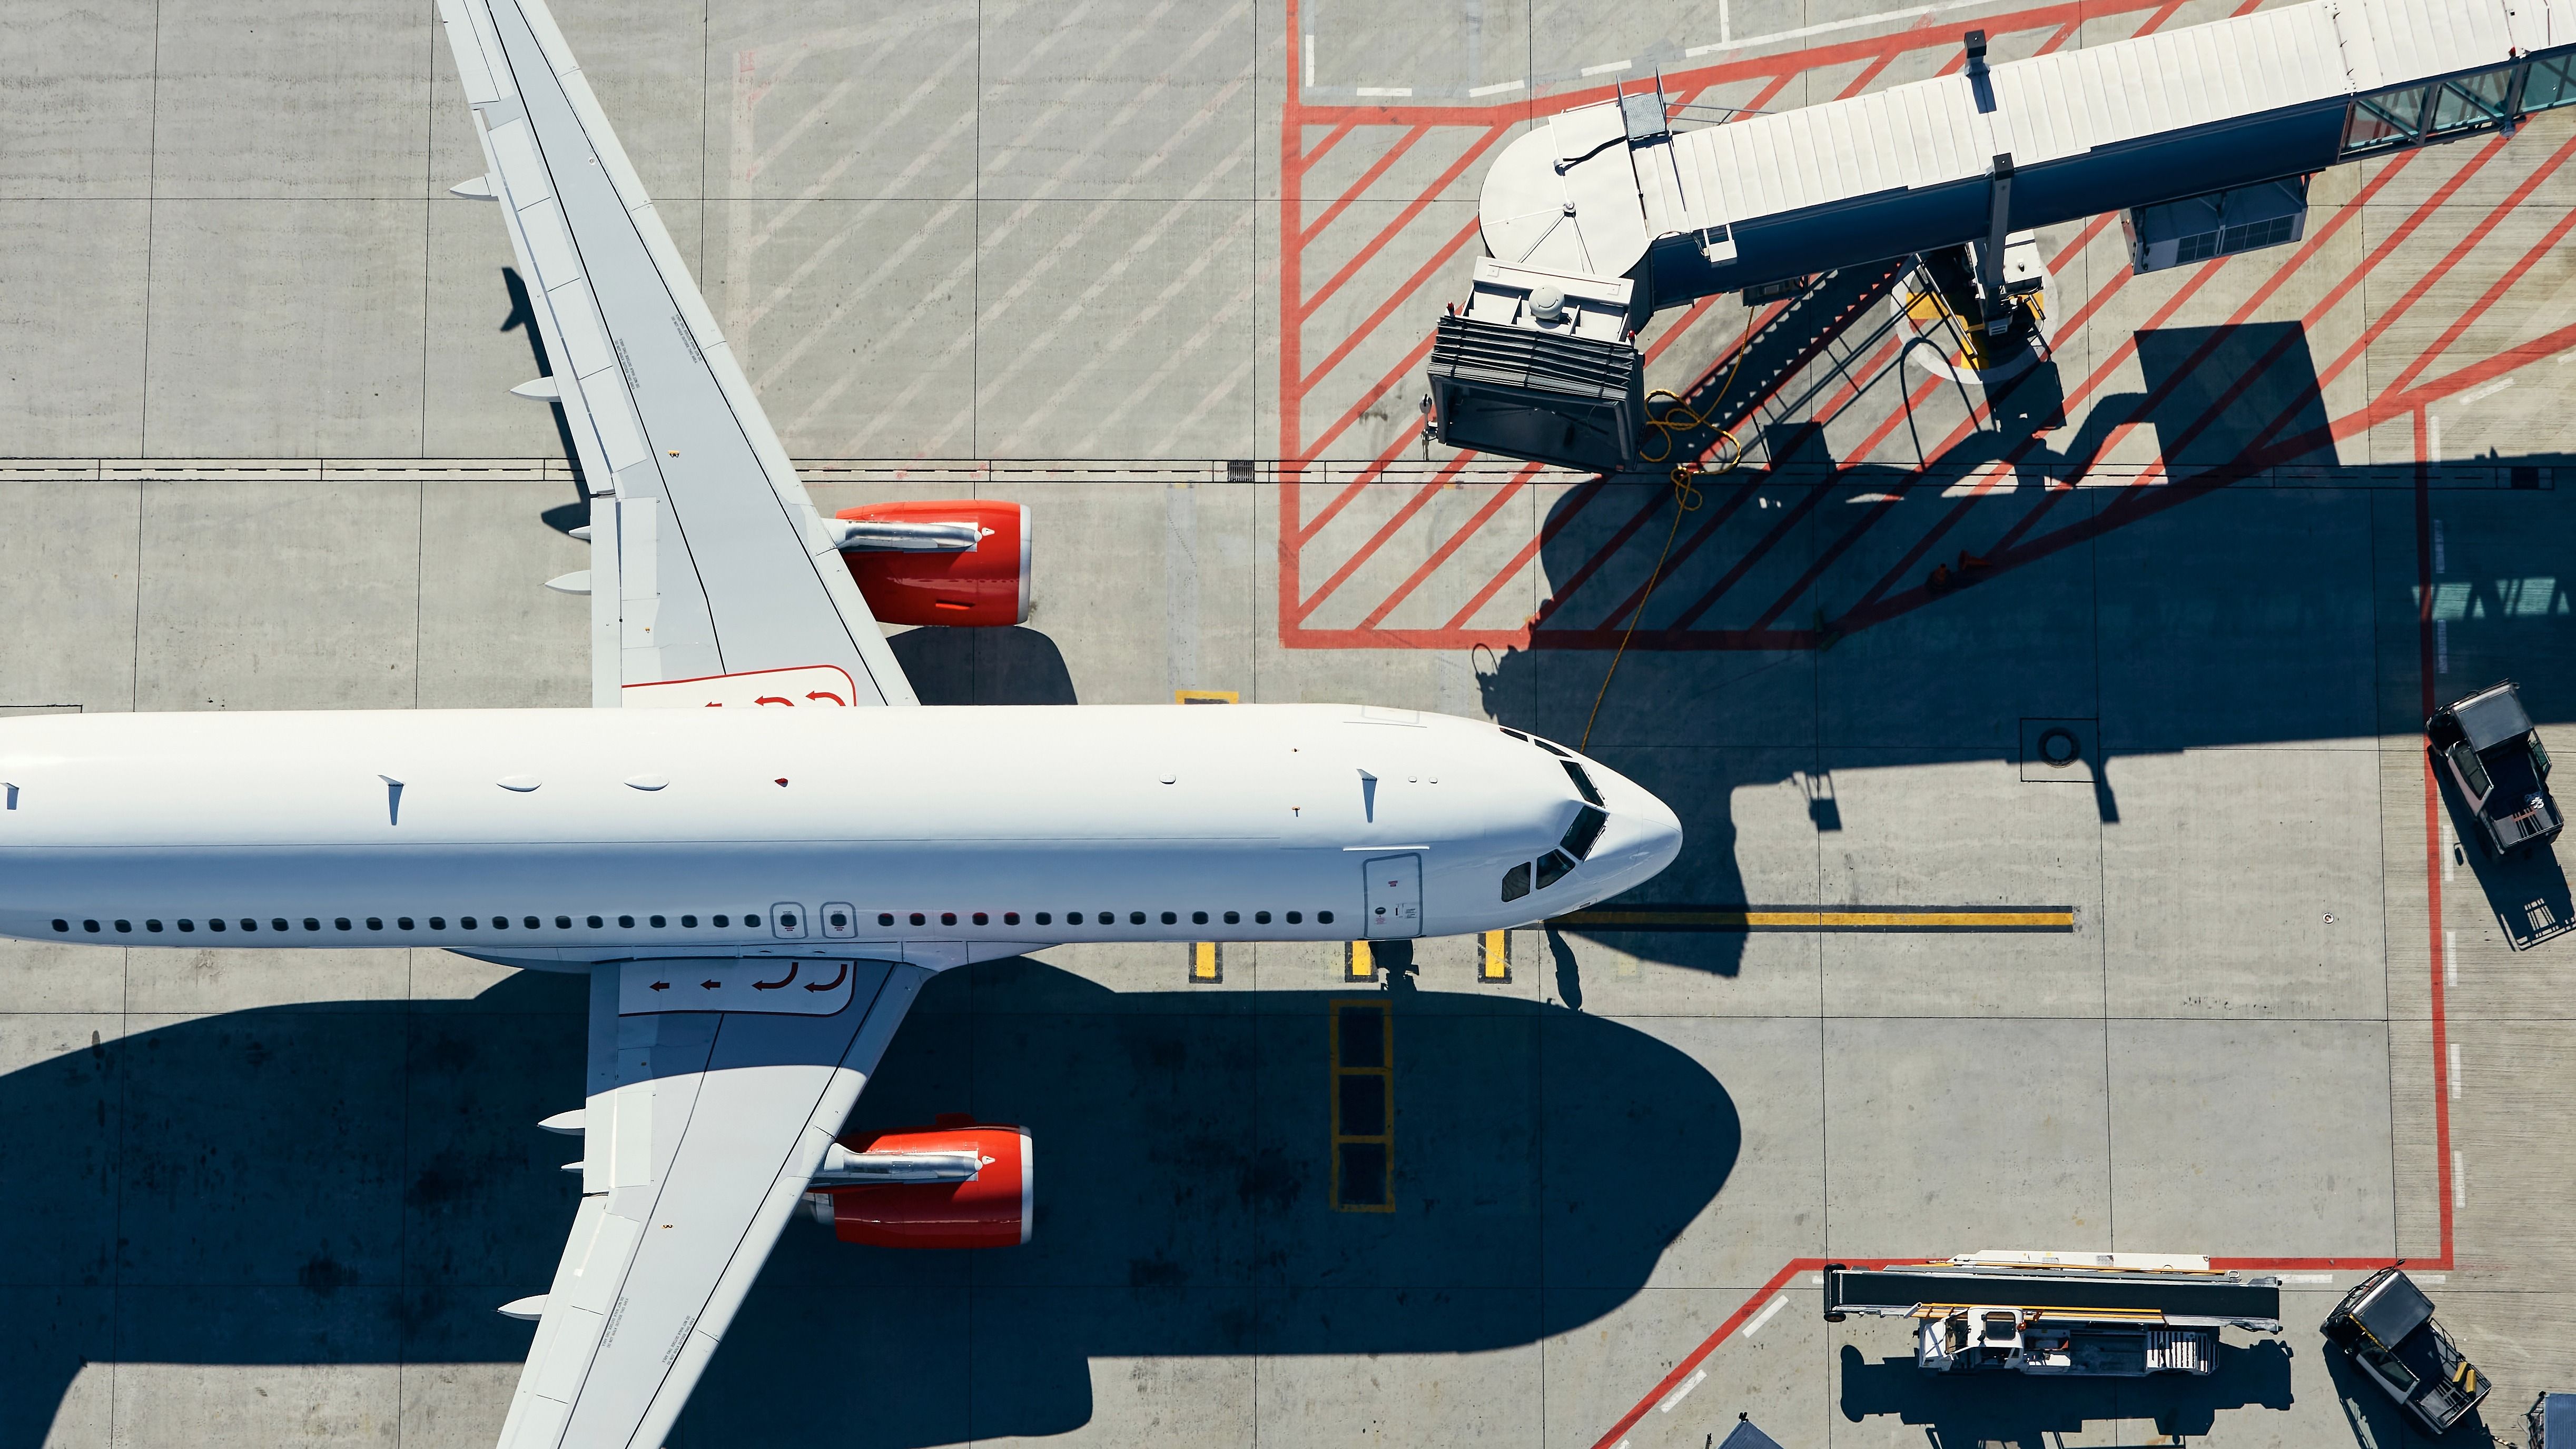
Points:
(986, 586)
(989, 1210)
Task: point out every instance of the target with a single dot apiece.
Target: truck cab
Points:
(2386, 1325)
(2488, 747)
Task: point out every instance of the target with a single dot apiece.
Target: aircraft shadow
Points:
(1970, 1411)
(362, 1182)
(983, 666)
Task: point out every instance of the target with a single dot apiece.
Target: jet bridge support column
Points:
(1990, 252)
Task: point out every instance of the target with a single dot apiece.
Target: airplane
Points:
(757, 843)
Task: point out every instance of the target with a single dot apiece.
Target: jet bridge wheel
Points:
(1937, 303)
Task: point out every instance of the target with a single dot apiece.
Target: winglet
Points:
(476, 188)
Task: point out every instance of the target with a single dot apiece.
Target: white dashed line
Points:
(1766, 1315)
(1310, 58)
(1606, 69)
(1681, 1391)
(2450, 953)
(2490, 390)
(1385, 91)
(1497, 88)
(2307, 1277)
(2459, 1181)
(2455, 1071)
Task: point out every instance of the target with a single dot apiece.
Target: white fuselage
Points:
(939, 835)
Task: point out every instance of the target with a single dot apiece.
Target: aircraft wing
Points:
(700, 1130)
(707, 558)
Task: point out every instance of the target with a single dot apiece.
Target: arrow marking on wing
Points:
(838, 977)
(781, 981)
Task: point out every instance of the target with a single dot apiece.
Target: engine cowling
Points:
(991, 1209)
(986, 586)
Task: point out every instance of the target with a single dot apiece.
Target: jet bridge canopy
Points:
(1612, 190)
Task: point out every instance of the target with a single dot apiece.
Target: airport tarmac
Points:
(1164, 273)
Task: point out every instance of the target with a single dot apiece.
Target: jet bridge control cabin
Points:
(2202, 137)
(2076, 1315)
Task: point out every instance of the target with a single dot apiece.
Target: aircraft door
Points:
(1394, 896)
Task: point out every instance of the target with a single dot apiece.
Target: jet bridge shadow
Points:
(1799, 626)
(1982, 1411)
(362, 1182)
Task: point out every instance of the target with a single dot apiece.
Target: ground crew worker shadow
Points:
(1973, 1411)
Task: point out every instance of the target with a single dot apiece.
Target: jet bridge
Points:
(2105, 1315)
(2203, 138)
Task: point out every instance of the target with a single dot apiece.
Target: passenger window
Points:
(592, 921)
(1170, 919)
(1324, 916)
(529, 921)
(751, 920)
(1010, 918)
(982, 920)
(1582, 782)
(1516, 882)
(625, 923)
(721, 921)
(563, 923)
(338, 923)
(465, 921)
(214, 924)
(1046, 918)
(90, 926)
(1198, 918)
(1585, 830)
(918, 919)
(1071, 918)
(948, 918)
(1234, 918)
(1261, 918)
(438, 923)
(276, 925)
(1135, 918)
(657, 922)
(375, 923)
(310, 924)
(885, 918)
(1553, 867)
(1295, 918)
(125, 926)
(689, 923)
(188, 926)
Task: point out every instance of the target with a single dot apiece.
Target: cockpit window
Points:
(1583, 832)
(1554, 867)
(1582, 784)
(1516, 882)
(1515, 734)
(1551, 749)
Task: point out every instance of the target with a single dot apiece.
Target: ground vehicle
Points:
(2387, 1326)
(2078, 1315)
(2552, 1416)
(2489, 749)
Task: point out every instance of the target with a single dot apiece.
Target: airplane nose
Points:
(1643, 836)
